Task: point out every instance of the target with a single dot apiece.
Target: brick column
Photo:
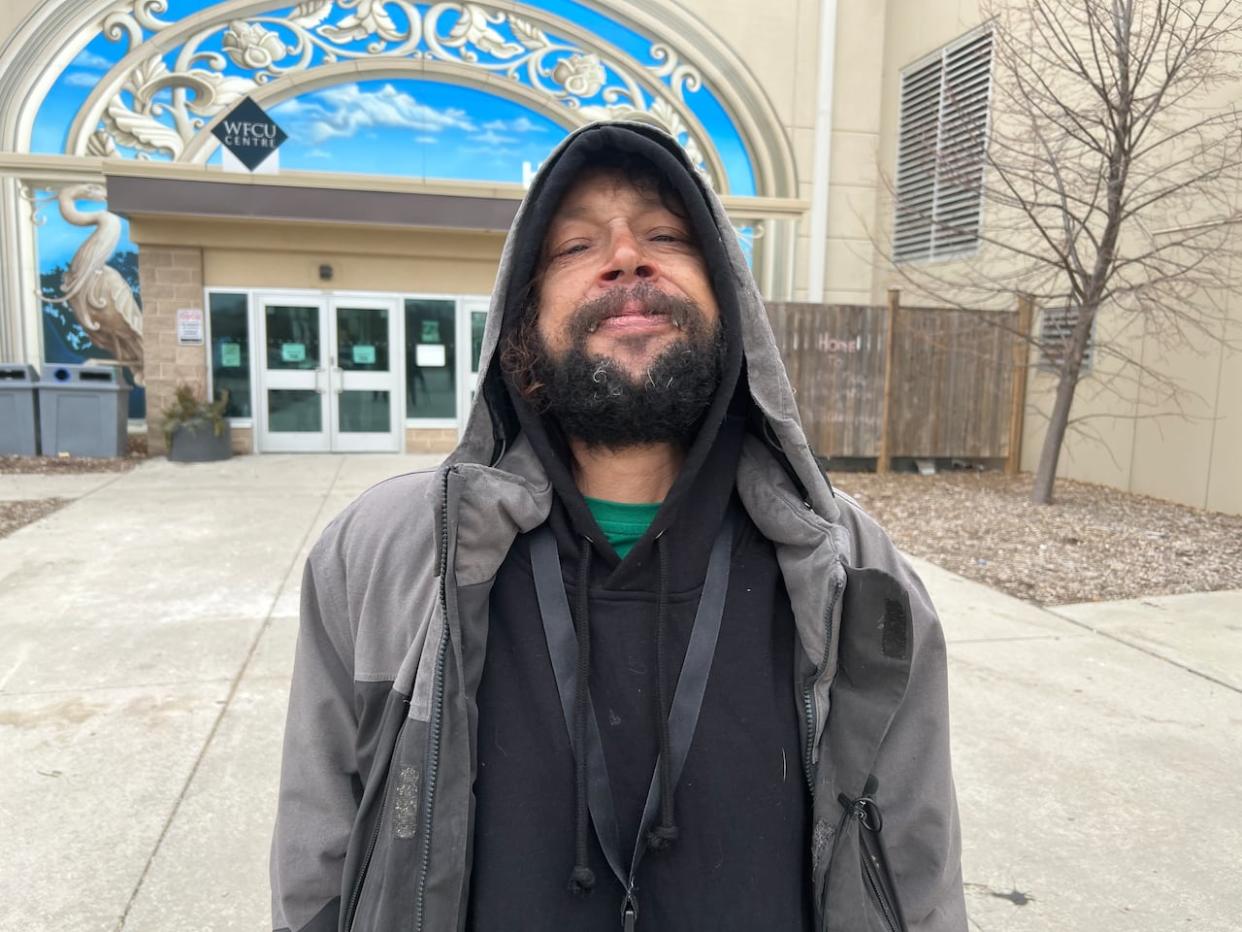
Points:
(170, 278)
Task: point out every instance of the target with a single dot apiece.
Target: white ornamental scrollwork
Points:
(252, 46)
(597, 83)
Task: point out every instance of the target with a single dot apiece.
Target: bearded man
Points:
(625, 661)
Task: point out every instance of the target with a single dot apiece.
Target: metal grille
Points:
(941, 141)
(1056, 327)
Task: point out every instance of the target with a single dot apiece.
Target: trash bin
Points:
(83, 410)
(19, 411)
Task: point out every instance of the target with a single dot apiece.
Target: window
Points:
(1056, 326)
(430, 358)
(230, 351)
(941, 139)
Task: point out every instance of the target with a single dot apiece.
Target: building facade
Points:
(338, 291)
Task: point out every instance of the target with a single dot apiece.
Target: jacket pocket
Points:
(858, 892)
(880, 887)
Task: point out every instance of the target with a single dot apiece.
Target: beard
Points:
(595, 400)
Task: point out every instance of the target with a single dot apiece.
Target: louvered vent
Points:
(1056, 326)
(940, 146)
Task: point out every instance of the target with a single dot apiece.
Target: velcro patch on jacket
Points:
(894, 642)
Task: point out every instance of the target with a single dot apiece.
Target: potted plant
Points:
(196, 431)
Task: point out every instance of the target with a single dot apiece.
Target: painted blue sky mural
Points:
(59, 239)
(416, 128)
(388, 126)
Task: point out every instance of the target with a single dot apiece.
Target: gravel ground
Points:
(1094, 544)
(14, 515)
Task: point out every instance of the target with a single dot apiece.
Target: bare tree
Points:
(1108, 171)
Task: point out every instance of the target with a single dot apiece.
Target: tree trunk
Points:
(1058, 421)
(1050, 453)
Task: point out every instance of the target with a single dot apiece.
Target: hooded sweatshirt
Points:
(740, 811)
(386, 806)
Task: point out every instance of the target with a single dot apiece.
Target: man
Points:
(625, 661)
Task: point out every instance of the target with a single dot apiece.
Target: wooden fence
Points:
(894, 381)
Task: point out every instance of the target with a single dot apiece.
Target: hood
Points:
(754, 394)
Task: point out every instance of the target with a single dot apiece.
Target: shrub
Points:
(187, 411)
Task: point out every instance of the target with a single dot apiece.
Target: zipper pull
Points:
(629, 912)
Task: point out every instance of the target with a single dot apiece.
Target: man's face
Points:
(629, 341)
(622, 271)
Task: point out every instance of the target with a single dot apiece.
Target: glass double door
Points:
(330, 382)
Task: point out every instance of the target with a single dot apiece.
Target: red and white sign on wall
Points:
(190, 326)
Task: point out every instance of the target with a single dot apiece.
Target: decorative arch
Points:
(239, 46)
(278, 91)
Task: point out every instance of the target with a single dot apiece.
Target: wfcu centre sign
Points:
(249, 135)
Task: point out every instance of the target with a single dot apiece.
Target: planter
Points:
(200, 444)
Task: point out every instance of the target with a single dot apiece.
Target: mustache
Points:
(682, 312)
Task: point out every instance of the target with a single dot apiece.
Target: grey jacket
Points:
(375, 821)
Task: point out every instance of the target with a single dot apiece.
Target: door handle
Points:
(318, 384)
(338, 378)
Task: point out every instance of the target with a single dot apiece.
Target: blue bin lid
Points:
(70, 373)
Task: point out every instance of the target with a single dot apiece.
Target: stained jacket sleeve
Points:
(320, 787)
(915, 788)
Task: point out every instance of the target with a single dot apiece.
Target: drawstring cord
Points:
(583, 878)
(664, 834)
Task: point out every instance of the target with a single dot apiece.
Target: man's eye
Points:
(668, 238)
(572, 248)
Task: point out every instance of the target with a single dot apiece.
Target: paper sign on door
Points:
(429, 356)
(293, 352)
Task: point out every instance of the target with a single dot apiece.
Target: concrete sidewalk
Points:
(146, 636)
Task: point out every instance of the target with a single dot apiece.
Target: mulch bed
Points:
(136, 452)
(1094, 544)
(14, 515)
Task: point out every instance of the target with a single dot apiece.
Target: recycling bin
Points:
(83, 410)
(19, 410)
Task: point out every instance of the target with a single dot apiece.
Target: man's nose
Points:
(627, 261)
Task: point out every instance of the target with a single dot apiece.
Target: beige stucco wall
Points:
(265, 254)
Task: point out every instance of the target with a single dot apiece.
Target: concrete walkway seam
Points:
(1144, 650)
(228, 701)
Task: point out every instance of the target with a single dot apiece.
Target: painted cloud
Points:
(341, 112)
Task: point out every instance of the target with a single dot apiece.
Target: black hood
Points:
(712, 454)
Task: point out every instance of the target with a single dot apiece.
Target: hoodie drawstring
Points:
(568, 633)
(664, 834)
(583, 878)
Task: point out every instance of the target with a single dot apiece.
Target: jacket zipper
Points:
(870, 822)
(872, 872)
(808, 695)
(437, 709)
(808, 702)
(375, 832)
